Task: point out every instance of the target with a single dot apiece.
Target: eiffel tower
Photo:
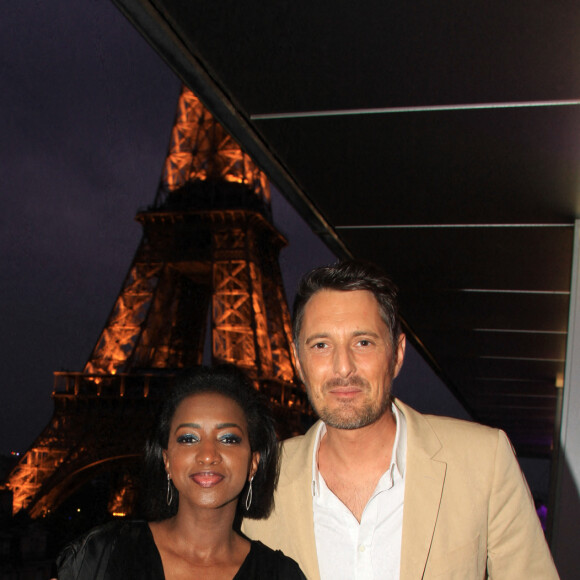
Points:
(205, 284)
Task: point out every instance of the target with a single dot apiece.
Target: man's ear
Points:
(297, 359)
(400, 353)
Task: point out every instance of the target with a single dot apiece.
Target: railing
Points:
(155, 385)
(129, 385)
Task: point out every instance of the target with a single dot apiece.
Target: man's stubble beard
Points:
(349, 415)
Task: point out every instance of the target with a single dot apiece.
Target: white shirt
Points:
(370, 550)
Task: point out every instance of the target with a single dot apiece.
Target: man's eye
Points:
(231, 439)
(319, 345)
(187, 439)
(364, 342)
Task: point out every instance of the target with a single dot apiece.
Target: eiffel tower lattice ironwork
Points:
(206, 272)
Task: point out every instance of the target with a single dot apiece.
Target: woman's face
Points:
(208, 455)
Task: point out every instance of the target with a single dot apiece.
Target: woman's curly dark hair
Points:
(231, 382)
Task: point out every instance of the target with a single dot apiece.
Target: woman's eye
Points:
(230, 439)
(187, 439)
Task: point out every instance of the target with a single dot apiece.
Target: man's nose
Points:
(344, 364)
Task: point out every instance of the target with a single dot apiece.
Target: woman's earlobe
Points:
(254, 464)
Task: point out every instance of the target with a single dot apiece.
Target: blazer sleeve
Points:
(517, 548)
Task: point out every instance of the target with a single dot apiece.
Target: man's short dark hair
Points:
(346, 276)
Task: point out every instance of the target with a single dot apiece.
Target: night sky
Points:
(85, 119)
(86, 113)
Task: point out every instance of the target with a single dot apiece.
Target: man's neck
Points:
(353, 461)
(367, 445)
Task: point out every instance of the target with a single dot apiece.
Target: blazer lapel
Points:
(424, 478)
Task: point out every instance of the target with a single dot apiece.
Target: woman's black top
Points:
(124, 550)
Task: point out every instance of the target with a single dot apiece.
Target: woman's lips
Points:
(207, 478)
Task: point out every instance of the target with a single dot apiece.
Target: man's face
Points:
(346, 358)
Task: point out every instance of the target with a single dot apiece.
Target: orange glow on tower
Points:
(206, 273)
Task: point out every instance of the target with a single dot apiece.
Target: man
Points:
(376, 490)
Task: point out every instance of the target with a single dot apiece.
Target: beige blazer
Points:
(468, 513)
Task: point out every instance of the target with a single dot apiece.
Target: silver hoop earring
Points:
(249, 495)
(169, 490)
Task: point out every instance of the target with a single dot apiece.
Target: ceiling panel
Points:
(303, 56)
(440, 167)
(504, 258)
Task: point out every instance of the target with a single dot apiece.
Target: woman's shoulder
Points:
(106, 533)
(95, 546)
(268, 563)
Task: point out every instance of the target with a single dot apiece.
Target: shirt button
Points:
(361, 548)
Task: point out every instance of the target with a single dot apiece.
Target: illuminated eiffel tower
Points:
(205, 279)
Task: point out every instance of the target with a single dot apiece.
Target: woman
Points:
(213, 460)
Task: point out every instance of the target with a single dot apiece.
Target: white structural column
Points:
(565, 536)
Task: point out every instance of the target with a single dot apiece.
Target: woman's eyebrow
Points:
(228, 425)
(191, 425)
(198, 426)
